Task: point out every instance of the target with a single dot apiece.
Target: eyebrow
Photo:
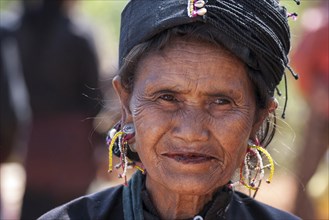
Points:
(155, 89)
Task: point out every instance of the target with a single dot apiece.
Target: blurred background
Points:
(50, 51)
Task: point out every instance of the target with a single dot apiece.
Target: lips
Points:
(187, 158)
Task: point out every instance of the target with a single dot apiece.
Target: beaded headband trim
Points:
(196, 8)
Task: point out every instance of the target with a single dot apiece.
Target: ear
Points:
(124, 97)
(262, 114)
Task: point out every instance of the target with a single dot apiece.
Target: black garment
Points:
(8, 119)
(215, 209)
(59, 64)
(108, 204)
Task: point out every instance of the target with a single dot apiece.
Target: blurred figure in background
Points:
(60, 68)
(311, 61)
(15, 112)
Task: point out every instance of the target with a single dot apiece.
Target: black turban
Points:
(256, 31)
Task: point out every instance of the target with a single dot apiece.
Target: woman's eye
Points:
(169, 98)
(222, 101)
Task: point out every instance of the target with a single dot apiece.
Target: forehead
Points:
(191, 61)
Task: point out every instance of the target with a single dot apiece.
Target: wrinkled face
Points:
(193, 108)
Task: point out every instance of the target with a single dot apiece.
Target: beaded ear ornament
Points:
(252, 169)
(117, 139)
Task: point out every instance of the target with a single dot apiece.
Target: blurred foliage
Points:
(4, 4)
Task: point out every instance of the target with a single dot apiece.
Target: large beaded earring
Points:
(117, 140)
(252, 168)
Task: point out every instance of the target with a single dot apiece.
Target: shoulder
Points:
(98, 206)
(248, 208)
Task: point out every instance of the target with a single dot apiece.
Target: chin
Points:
(193, 184)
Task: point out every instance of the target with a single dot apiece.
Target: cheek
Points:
(233, 132)
(151, 124)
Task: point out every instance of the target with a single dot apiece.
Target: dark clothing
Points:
(59, 65)
(108, 204)
(8, 119)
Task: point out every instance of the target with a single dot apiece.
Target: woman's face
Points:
(193, 108)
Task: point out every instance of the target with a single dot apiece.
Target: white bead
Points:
(198, 217)
(199, 4)
(112, 133)
(129, 128)
(201, 11)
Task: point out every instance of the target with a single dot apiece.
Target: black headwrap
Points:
(256, 31)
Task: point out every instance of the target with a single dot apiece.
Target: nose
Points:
(191, 126)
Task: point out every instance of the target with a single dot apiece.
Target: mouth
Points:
(189, 158)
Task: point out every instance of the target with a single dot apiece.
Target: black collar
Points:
(215, 209)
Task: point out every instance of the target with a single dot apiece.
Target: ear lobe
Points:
(262, 115)
(273, 105)
(124, 98)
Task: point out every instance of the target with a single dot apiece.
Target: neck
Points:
(172, 205)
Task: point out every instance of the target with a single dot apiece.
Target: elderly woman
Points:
(196, 86)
